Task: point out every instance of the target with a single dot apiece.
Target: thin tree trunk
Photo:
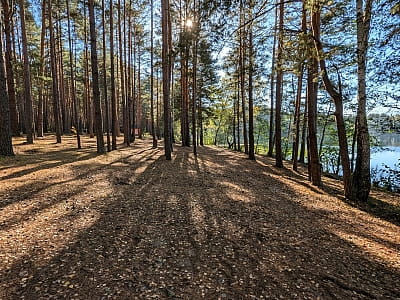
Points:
(54, 72)
(337, 99)
(194, 79)
(88, 100)
(234, 125)
(128, 32)
(271, 138)
(313, 161)
(121, 71)
(139, 92)
(106, 105)
(242, 58)
(326, 121)
(153, 133)
(27, 77)
(361, 183)
(6, 148)
(296, 140)
(279, 83)
(200, 118)
(158, 112)
(39, 127)
(98, 123)
(295, 149)
(166, 76)
(238, 106)
(304, 133)
(251, 110)
(114, 117)
(8, 15)
(73, 90)
(66, 128)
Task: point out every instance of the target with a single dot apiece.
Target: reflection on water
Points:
(388, 139)
(388, 156)
(385, 161)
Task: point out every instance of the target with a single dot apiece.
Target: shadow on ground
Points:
(213, 227)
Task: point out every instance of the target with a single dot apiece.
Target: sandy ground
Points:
(130, 225)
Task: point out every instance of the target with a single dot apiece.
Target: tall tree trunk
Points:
(295, 149)
(312, 88)
(337, 99)
(238, 106)
(139, 93)
(72, 78)
(8, 15)
(166, 75)
(304, 132)
(235, 148)
(122, 74)
(39, 127)
(114, 117)
(271, 137)
(98, 122)
(54, 73)
(106, 105)
(153, 133)
(196, 30)
(279, 83)
(361, 183)
(19, 93)
(158, 104)
(66, 128)
(251, 110)
(88, 100)
(126, 76)
(242, 66)
(6, 148)
(27, 77)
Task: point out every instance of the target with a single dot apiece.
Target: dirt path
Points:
(130, 225)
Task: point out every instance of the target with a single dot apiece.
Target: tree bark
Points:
(6, 148)
(271, 137)
(114, 117)
(337, 99)
(279, 82)
(361, 181)
(153, 133)
(98, 123)
(54, 73)
(295, 149)
(105, 94)
(73, 90)
(39, 126)
(166, 76)
(27, 77)
(8, 14)
(196, 29)
(251, 109)
(242, 62)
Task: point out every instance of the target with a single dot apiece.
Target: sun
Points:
(189, 23)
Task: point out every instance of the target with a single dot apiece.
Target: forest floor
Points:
(130, 225)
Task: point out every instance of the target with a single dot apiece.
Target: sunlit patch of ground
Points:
(130, 225)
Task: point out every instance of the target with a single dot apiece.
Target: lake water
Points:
(386, 157)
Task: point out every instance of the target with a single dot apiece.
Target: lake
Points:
(386, 157)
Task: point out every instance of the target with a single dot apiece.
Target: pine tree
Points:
(98, 122)
(5, 121)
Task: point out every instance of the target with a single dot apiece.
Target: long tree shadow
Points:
(193, 228)
(373, 206)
